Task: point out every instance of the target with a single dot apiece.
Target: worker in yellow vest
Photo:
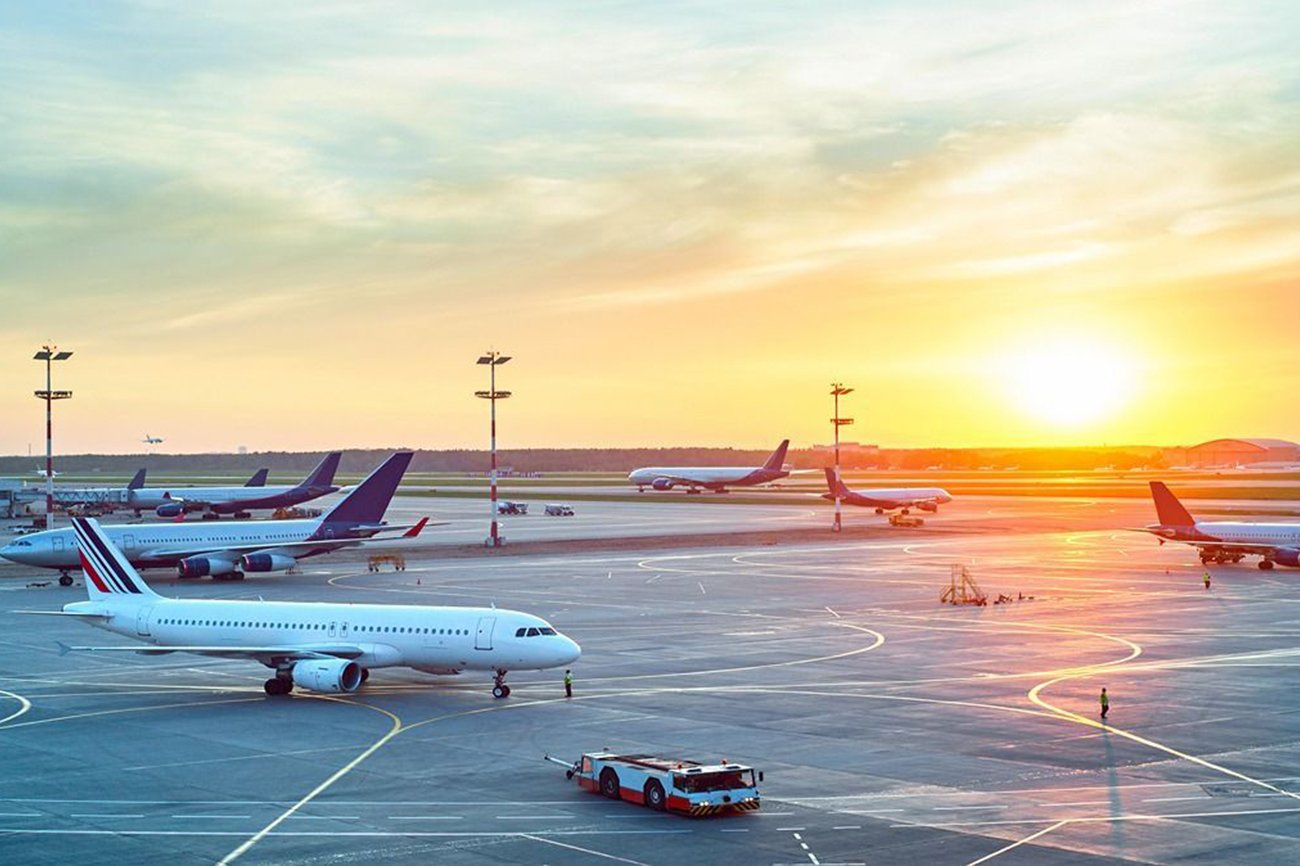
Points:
(1105, 703)
(1207, 580)
(568, 683)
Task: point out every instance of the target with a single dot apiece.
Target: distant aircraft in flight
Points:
(715, 478)
(152, 440)
(888, 499)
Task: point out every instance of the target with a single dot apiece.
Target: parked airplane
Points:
(715, 478)
(888, 499)
(323, 647)
(239, 501)
(227, 550)
(152, 440)
(1224, 541)
(259, 478)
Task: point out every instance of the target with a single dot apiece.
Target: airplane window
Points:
(519, 632)
(532, 632)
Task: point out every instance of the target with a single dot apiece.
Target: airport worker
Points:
(568, 683)
(1105, 703)
(1207, 580)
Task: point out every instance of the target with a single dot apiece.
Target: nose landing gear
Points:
(499, 687)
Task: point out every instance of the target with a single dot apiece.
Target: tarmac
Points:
(891, 729)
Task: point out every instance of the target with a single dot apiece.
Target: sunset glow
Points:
(298, 227)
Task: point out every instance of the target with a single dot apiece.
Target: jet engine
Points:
(198, 566)
(662, 484)
(327, 675)
(266, 562)
(170, 509)
(1289, 556)
(927, 506)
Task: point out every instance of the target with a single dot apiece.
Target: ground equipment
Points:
(672, 784)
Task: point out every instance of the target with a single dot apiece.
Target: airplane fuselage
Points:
(889, 499)
(434, 639)
(709, 477)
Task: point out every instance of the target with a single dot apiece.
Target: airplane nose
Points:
(571, 652)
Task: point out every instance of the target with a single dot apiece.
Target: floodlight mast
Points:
(50, 354)
(838, 390)
(493, 359)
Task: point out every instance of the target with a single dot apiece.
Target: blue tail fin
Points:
(777, 460)
(837, 488)
(323, 474)
(366, 504)
(137, 482)
(258, 479)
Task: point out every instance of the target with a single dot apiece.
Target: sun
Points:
(1071, 382)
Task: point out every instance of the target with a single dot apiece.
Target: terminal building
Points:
(1240, 452)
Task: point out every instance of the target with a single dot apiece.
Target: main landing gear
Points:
(499, 687)
(65, 579)
(280, 684)
(1266, 565)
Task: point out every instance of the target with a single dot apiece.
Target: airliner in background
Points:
(152, 440)
(239, 501)
(887, 498)
(322, 647)
(228, 549)
(715, 478)
(1223, 541)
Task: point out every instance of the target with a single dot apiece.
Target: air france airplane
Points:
(1223, 541)
(228, 549)
(321, 647)
(215, 501)
(887, 499)
(715, 478)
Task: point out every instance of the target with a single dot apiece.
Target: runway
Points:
(891, 729)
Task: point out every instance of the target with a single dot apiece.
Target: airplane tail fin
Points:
(258, 479)
(837, 487)
(368, 501)
(1169, 510)
(777, 460)
(323, 474)
(108, 573)
(137, 482)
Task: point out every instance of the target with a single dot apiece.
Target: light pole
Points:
(837, 391)
(493, 360)
(50, 354)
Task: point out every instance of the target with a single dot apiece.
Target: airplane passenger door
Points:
(343, 629)
(333, 628)
(128, 542)
(483, 636)
(57, 543)
(142, 621)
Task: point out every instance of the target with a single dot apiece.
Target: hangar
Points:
(1236, 452)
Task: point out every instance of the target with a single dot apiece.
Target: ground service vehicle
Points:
(673, 784)
(507, 507)
(559, 511)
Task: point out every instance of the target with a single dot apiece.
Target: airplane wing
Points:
(75, 613)
(1210, 544)
(282, 651)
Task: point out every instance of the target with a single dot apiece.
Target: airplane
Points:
(888, 499)
(41, 472)
(226, 551)
(239, 501)
(1223, 541)
(152, 440)
(258, 479)
(715, 478)
(318, 646)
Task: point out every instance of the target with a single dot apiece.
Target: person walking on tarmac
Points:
(1105, 703)
(1207, 580)
(568, 683)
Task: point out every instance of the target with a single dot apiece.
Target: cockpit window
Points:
(519, 632)
(547, 630)
(532, 632)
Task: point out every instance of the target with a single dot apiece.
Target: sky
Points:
(297, 225)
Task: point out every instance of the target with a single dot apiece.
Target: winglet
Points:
(415, 530)
(64, 649)
(1169, 511)
(777, 460)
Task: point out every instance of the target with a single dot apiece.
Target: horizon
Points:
(285, 228)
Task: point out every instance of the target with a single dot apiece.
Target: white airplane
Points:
(715, 478)
(888, 499)
(212, 502)
(1223, 541)
(228, 549)
(152, 440)
(41, 472)
(322, 647)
